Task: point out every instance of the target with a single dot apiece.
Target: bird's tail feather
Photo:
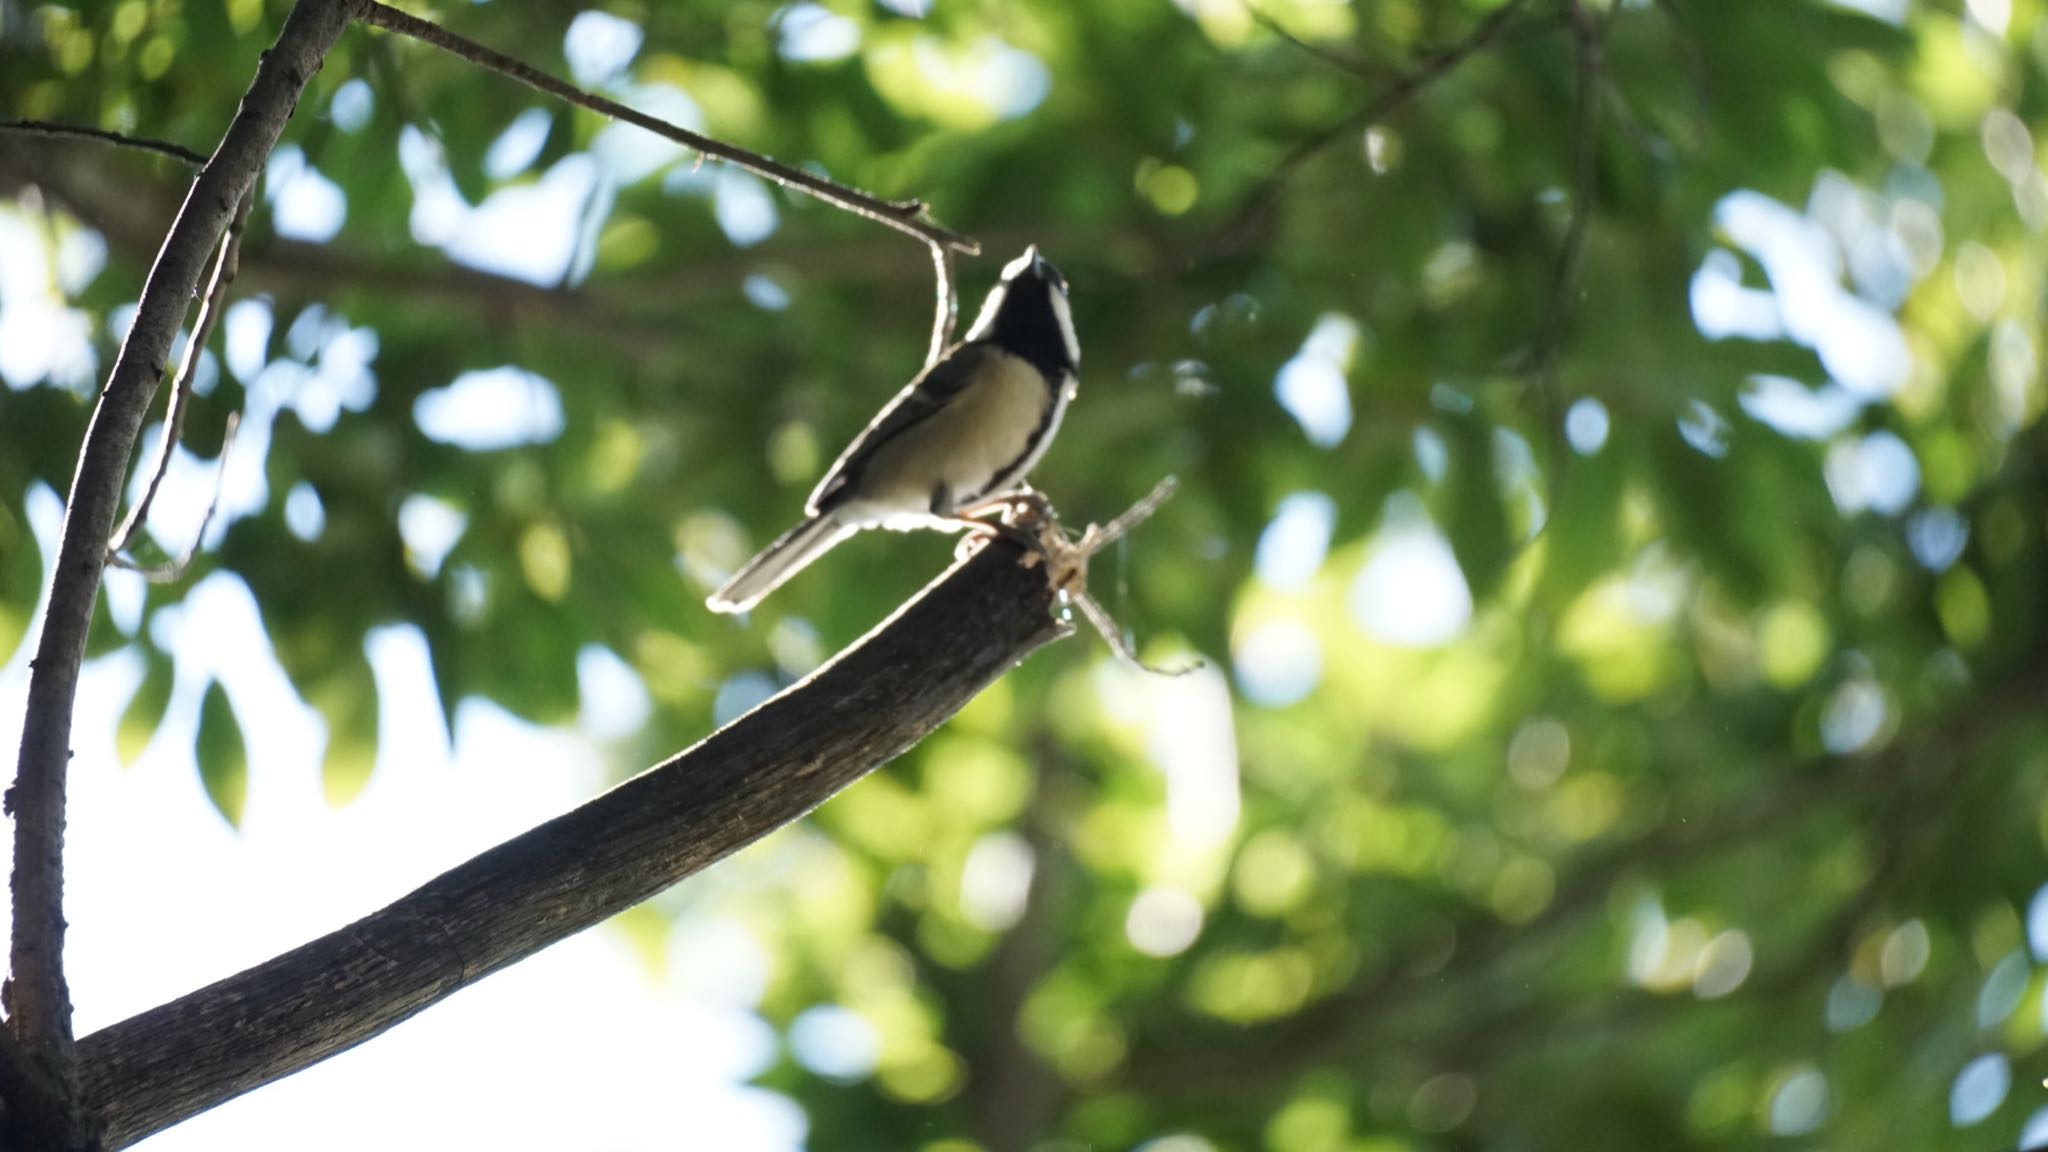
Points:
(790, 554)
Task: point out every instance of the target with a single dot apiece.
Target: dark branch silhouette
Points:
(903, 215)
(1363, 69)
(869, 704)
(136, 1085)
(1266, 196)
(56, 131)
(38, 999)
(1541, 364)
(1586, 56)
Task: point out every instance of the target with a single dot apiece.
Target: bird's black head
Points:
(1027, 315)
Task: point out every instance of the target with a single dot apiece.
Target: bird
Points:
(960, 436)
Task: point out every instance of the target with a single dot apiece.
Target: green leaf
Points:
(102, 637)
(348, 702)
(223, 758)
(1470, 507)
(145, 711)
(21, 577)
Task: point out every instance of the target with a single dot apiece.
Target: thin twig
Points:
(173, 569)
(1136, 514)
(907, 216)
(1541, 365)
(1069, 573)
(948, 303)
(1496, 26)
(56, 131)
(1363, 69)
(224, 268)
(1695, 57)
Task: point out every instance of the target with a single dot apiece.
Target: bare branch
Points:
(1068, 564)
(949, 303)
(224, 267)
(173, 570)
(637, 313)
(100, 135)
(866, 706)
(34, 1107)
(1695, 57)
(38, 998)
(1541, 365)
(1586, 52)
(1363, 69)
(1494, 28)
(908, 216)
(1133, 516)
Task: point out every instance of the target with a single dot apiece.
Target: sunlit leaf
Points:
(223, 757)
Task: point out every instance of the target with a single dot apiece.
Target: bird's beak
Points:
(1043, 267)
(1030, 263)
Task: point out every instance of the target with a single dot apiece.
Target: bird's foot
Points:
(1024, 517)
(1021, 506)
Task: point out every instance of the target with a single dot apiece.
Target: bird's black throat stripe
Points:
(1009, 473)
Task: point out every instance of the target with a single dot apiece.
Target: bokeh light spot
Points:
(1798, 1101)
(491, 409)
(995, 880)
(1292, 547)
(1979, 1089)
(1411, 592)
(1163, 921)
(599, 45)
(1586, 425)
(836, 1043)
(1278, 663)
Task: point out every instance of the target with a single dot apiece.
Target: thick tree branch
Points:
(40, 1076)
(907, 216)
(33, 1110)
(38, 999)
(771, 766)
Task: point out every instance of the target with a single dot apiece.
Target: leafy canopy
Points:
(1610, 506)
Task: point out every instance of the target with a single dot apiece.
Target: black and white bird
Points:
(968, 429)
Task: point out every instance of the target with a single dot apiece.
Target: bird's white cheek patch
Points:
(1064, 313)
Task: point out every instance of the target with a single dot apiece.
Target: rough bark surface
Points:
(771, 766)
(38, 1000)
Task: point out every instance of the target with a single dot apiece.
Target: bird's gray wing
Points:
(917, 401)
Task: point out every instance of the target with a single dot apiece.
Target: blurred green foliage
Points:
(1631, 746)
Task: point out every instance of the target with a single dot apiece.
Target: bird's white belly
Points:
(979, 433)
